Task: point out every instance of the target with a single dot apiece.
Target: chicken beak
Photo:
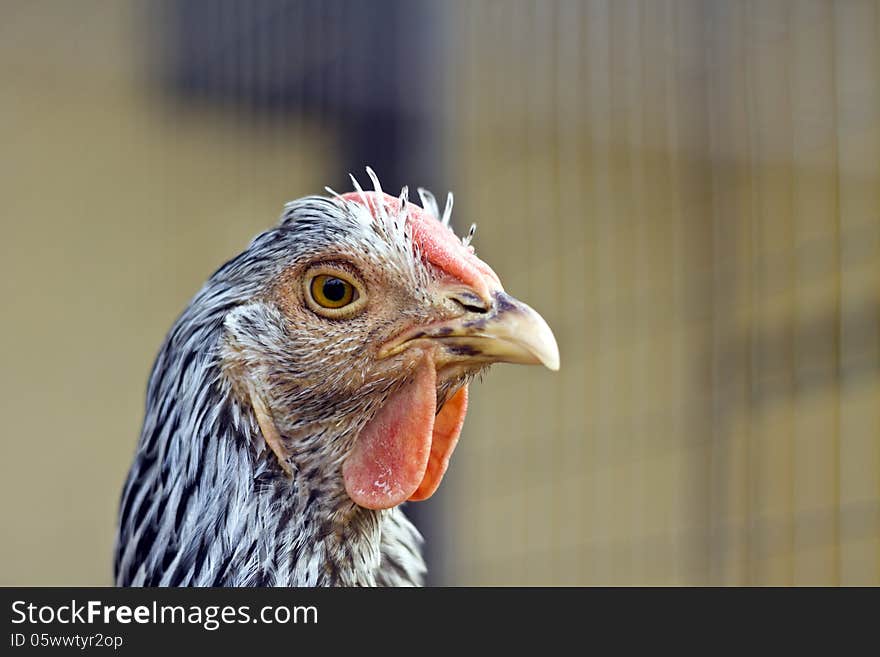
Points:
(512, 332)
(508, 331)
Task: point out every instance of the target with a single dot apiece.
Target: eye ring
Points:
(333, 293)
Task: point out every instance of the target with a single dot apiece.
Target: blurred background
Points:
(688, 191)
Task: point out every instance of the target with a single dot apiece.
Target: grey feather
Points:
(205, 502)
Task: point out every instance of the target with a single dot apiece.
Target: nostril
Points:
(473, 309)
(470, 302)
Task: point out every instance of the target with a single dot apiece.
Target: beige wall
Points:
(690, 193)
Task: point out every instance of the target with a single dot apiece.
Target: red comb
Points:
(439, 245)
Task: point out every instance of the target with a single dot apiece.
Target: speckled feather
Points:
(206, 502)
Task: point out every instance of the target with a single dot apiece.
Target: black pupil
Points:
(334, 289)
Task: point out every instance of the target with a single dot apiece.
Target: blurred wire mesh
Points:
(688, 190)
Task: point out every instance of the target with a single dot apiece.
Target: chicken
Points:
(315, 383)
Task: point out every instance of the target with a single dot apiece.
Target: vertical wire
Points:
(600, 70)
(754, 244)
(716, 531)
(638, 97)
(568, 502)
(837, 231)
(791, 309)
(528, 94)
(676, 183)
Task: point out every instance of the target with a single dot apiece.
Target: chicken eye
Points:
(332, 292)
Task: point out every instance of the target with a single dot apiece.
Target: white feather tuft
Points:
(447, 211)
(404, 199)
(466, 240)
(377, 187)
(429, 202)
